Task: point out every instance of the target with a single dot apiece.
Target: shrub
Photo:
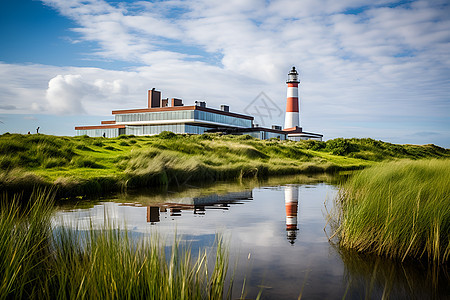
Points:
(339, 146)
(314, 145)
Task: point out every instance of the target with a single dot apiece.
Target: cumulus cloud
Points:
(65, 93)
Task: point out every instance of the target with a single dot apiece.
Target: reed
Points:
(398, 209)
(40, 260)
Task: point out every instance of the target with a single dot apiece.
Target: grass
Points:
(399, 210)
(80, 166)
(39, 260)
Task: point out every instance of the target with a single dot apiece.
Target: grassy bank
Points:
(85, 166)
(399, 210)
(40, 261)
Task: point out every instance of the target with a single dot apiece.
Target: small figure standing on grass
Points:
(37, 130)
(104, 134)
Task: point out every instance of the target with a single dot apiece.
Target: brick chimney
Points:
(154, 98)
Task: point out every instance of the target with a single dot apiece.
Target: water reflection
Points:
(265, 222)
(369, 274)
(291, 204)
(176, 206)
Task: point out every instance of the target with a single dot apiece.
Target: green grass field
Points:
(398, 209)
(80, 166)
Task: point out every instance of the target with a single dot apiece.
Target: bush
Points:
(339, 146)
(314, 145)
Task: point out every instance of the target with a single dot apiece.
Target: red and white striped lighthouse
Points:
(292, 112)
(291, 203)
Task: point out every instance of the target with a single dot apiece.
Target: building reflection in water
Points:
(291, 203)
(198, 205)
(152, 214)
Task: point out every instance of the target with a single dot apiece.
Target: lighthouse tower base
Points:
(291, 120)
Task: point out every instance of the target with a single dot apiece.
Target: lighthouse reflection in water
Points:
(291, 203)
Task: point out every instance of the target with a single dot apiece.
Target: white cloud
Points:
(65, 93)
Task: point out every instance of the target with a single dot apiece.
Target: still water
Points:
(277, 236)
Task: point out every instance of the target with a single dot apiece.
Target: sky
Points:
(378, 69)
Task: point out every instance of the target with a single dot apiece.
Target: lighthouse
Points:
(292, 119)
(291, 203)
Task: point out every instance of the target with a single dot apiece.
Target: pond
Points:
(277, 234)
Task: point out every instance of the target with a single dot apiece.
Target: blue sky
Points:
(377, 69)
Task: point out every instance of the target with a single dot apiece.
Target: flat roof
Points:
(98, 127)
(307, 134)
(263, 129)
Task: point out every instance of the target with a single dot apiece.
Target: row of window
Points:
(224, 119)
(183, 115)
(143, 130)
(156, 116)
(264, 135)
(195, 129)
(155, 129)
(108, 132)
(175, 128)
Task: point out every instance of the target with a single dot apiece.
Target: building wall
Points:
(157, 129)
(109, 132)
(303, 138)
(143, 130)
(223, 119)
(155, 116)
(182, 115)
(264, 135)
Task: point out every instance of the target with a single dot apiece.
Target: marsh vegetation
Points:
(41, 260)
(396, 206)
(398, 210)
(80, 166)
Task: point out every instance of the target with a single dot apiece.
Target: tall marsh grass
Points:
(41, 260)
(399, 210)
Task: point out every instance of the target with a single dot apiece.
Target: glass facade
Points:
(196, 115)
(157, 129)
(195, 129)
(109, 132)
(304, 138)
(184, 121)
(156, 116)
(264, 135)
(224, 119)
